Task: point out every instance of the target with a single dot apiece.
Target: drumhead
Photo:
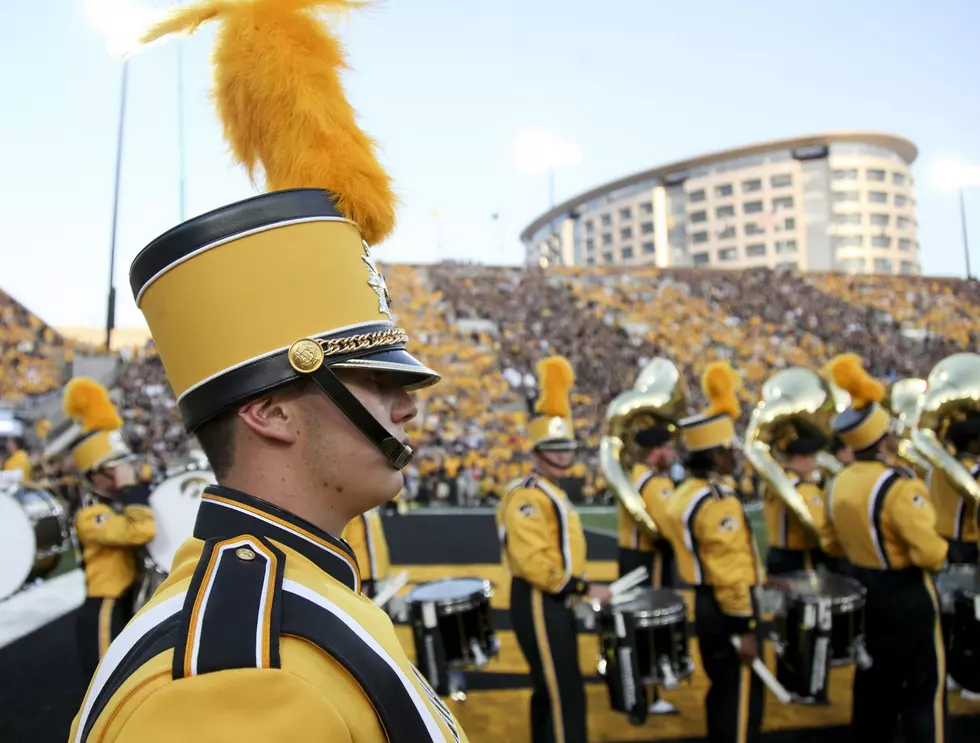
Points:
(175, 502)
(654, 608)
(845, 594)
(960, 579)
(18, 545)
(449, 592)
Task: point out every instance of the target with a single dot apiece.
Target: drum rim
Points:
(460, 603)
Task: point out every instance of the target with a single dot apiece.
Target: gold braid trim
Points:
(363, 342)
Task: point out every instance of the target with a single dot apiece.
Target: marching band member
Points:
(790, 547)
(113, 522)
(883, 521)
(273, 324)
(365, 535)
(543, 545)
(18, 460)
(717, 554)
(956, 516)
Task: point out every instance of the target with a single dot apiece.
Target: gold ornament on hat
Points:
(376, 281)
(305, 356)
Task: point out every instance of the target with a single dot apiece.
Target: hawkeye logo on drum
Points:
(193, 486)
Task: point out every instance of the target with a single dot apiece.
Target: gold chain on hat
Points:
(306, 355)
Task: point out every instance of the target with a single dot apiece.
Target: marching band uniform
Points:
(883, 521)
(543, 545)
(19, 460)
(636, 547)
(791, 548)
(365, 535)
(111, 526)
(717, 554)
(956, 516)
(260, 633)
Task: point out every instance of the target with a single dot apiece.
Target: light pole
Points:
(966, 240)
(111, 303)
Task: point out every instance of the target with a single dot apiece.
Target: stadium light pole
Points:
(966, 239)
(120, 130)
(961, 176)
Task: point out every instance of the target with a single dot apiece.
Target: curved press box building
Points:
(829, 202)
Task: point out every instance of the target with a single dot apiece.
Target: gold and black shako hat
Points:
(282, 286)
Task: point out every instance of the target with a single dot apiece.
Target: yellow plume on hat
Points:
(280, 99)
(847, 372)
(720, 383)
(88, 403)
(555, 379)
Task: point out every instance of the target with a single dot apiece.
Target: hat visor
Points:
(556, 445)
(412, 373)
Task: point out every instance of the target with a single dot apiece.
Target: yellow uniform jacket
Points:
(366, 537)
(109, 534)
(783, 528)
(880, 517)
(19, 460)
(714, 545)
(956, 518)
(656, 489)
(259, 634)
(541, 536)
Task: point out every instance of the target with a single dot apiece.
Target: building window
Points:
(589, 227)
(725, 190)
(626, 233)
(752, 207)
(898, 179)
(606, 220)
(590, 244)
(875, 175)
(627, 253)
(755, 250)
(904, 244)
(725, 211)
(699, 237)
(881, 241)
(901, 200)
(700, 259)
(727, 233)
(880, 220)
(902, 222)
(877, 197)
(781, 181)
(606, 240)
(701, 216)
(727, 254)
(696, 196)
(783, 202)
(646, 228)
(848, 218)
(908, 267)
(883, 265)
(788, 265)
(850, 174)
(854, 265)
(842, 197)
(649, 248)
(590, 261)
(646, 207)
(785, 246)
(752, 185)
(751, 228)
(790, 223)
(607, 258)
(625, 213)
(850, 241)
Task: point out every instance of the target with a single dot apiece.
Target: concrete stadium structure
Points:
(841, 201)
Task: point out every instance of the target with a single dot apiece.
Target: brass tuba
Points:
(659, 397)
(902, 401)
(953, 390)
(797, 401)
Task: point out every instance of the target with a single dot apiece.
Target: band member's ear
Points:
(273, 417)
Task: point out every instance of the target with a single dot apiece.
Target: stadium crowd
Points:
(485, 328)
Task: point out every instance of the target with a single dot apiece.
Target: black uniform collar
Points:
(227, 513)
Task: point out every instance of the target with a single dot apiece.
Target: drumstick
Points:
(390, 588)
(765, 675)
(631, 580)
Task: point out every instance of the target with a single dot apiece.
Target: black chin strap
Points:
(543, 453)
(395, 451)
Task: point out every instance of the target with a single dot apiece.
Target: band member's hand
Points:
(598, 593)
(123, 475)
(748, 649)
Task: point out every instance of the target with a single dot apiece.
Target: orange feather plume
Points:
(555, 379)
(847, 372)
(87, 402)
(720, 383)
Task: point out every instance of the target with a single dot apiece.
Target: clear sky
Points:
(448, 87)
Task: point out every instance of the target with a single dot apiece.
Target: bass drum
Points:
(33, 536)
(174, 502)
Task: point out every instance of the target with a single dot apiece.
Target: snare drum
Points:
(33, 536)
(959, 593)
(818, 624)
(643, 642)
(174, 503)
(452, 625)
